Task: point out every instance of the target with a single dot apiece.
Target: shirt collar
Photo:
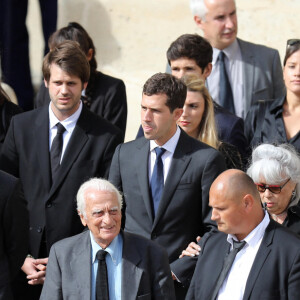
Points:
(170, 145)
(255, 235)
(68, 123)
(231, 52)
(114, 249)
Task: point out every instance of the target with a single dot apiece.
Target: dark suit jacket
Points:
(108, 99)
(145, 270)
(230, 129)
(183, 212)
(262, 73)
(26, 155)
(13, 232)
(275, 273)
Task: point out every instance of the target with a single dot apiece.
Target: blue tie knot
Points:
(159, 152)
(221, 56)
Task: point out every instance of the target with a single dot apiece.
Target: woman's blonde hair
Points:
(207, 128)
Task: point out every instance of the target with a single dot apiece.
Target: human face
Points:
(65, 92)
(277, 203)
(291, 73)
(193, 110)
(229, 214)
(185, 66)
(103, 216)
(159, 124)
(220, 23)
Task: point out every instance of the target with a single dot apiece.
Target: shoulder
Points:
(73, 242)
(142, 244)
(31, 115)
(257, 49)
(107, 80)
(224, 116)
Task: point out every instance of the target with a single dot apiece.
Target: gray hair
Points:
(198, 8)
(98, 184)
(275, 164)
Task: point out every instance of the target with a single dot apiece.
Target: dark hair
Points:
(192, 46)
(290, 50)
(75, 32)
(173, 88)
(70, 58)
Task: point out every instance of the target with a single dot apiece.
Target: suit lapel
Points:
(42, 138)
(131, 274)
(261, 256)
(80, 262)
(142, 158)
(248, 69)
(178, 166)
(78, 140)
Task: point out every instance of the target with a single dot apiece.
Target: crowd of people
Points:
(203, 204)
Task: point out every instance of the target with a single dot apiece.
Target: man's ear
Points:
(248, 202)
(198, 21)
(177, 113)
(207, 70)
(46, 83)
(85, 85)
(82, 219)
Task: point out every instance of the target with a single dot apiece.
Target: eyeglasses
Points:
(275, 189)
(292, 42)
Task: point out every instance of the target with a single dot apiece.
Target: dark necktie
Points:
(225, 93)
(228, 261)
(56, 149)
(102, 278)
(157, 179)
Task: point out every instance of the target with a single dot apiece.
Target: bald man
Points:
(267, 266)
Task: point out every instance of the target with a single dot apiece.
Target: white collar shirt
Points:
(233, 287)
(167, 157)
(234, 68)
(69, 125)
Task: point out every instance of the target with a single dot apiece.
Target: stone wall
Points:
(131, 37)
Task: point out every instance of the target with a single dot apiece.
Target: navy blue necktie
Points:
(157, 179)
(56, 150)
(102, 292)
(237, 246)
(225, 93)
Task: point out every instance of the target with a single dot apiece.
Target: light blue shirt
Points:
(114, 267)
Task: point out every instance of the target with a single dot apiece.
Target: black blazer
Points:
(26, 155)
(13, 232)
(183, 212)
(275, 273)
(108, 99)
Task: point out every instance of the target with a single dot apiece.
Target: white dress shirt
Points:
(170, 147)
(234, 68)
(68, 123)
(233, 287)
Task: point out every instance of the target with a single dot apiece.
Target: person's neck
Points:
(292, 102)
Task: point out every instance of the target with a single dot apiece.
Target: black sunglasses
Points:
(292, 42)
(275, 189)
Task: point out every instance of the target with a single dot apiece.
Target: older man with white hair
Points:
(242, 72)
(104, 262)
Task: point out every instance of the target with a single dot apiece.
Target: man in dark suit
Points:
(267, 266)
(136, 268)
(192, 54)
(253, 72)
(80, 143)
(13, 232)
(166, 194)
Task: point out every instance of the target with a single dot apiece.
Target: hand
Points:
(192, 250)
(35, 270)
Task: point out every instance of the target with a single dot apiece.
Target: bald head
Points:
(235, 202)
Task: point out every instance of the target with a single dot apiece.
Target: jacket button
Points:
(39, 230)
(49, 205)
